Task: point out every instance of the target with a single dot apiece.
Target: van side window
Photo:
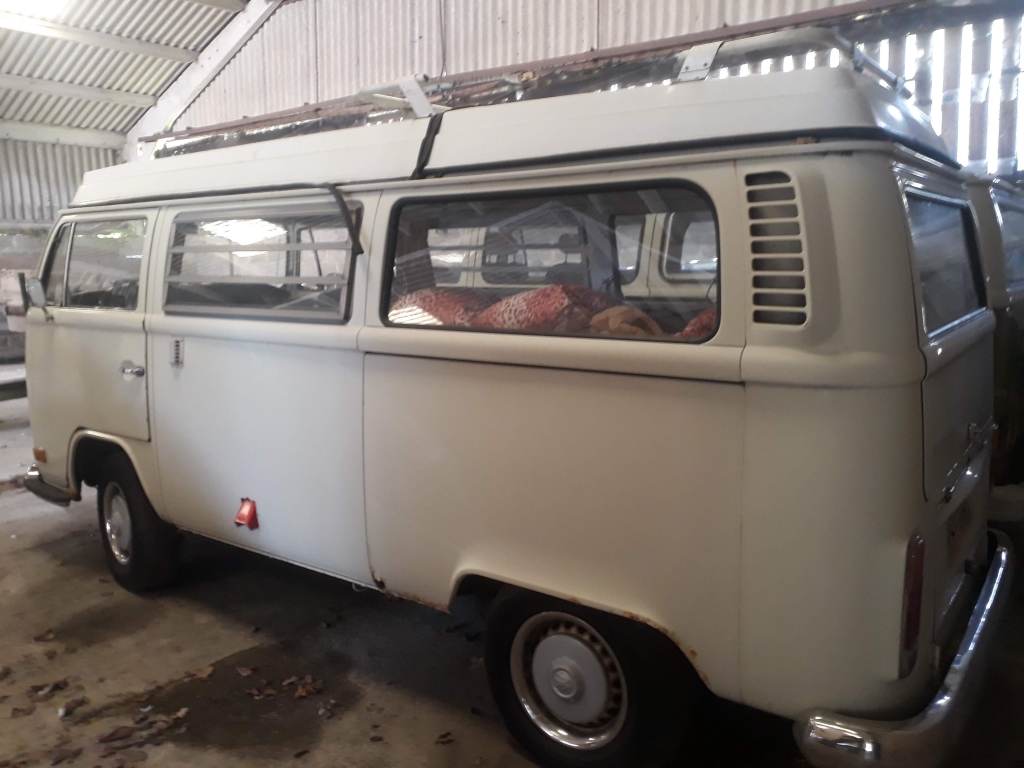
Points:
(1013, 242)
(946, 261)
(53, 277)
(557, 264)
(281, 265)
(104, 265)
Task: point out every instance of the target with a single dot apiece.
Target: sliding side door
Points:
(257, 379)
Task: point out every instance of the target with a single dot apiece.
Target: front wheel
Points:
(141, 549)
(583, 689)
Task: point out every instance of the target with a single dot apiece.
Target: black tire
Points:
(659, 689)
(145, 557)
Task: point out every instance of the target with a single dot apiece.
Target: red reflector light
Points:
(247, 515)
(913, 601)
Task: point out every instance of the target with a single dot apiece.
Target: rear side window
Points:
(104, 264)
(279, 265)
(545, 263)
(1013, 242)
(946, 261)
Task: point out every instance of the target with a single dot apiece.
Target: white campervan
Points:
(1000, 210)
(690, 377)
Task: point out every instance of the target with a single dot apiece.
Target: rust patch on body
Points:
(690, 653)
(417, 599)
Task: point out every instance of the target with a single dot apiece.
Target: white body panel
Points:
(672, 115)
(386, 151)
(608, 486)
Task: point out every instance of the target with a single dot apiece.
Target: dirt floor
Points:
(250, 662)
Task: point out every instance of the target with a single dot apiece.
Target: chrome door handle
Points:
(130, 369)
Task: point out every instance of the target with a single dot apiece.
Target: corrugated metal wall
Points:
(965, 78)
(37, 180)
(314, 50)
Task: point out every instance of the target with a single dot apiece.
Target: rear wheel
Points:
(141, 549)
(583, 689)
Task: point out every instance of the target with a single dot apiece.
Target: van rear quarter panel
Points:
(831, 497)
(619, 491)
(833, 464)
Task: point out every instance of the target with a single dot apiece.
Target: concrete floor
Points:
(395, 676)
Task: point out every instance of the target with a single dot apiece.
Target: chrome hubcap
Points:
(568, 680)
(117, 523)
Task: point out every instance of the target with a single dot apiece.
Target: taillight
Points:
(913, 599)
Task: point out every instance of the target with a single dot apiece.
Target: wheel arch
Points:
(89, 448)
(486, 586)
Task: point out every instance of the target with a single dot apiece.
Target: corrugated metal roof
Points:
(180, 24)
(37, 180)
(315, 50)
(318, 50)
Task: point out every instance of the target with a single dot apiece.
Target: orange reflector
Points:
(39, 454)
(247, 515)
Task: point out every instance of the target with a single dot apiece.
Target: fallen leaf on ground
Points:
(23, 711)
(181, 713)
(45, 692)
(301, 753)
(289, 681)
(45, 637)
(244, 671)
(203, 674)
(121, 732)
(64, 755)
(268, 692)
(69, 709)
(445, 738)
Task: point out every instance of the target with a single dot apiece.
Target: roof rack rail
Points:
(420, 97)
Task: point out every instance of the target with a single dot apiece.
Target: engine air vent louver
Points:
(777, 245)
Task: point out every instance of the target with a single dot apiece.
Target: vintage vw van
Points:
(1000, 210)
(689, 377)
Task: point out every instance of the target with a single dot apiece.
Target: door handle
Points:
(131, 369)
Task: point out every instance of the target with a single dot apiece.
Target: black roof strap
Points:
(427, 145)
(350, 222)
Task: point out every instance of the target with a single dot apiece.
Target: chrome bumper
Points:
(829, 740)
(51, 493)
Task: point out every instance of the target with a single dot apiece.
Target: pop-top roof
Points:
(554, 117)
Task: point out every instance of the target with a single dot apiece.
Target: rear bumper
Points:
(830, 740)
(35, 483)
